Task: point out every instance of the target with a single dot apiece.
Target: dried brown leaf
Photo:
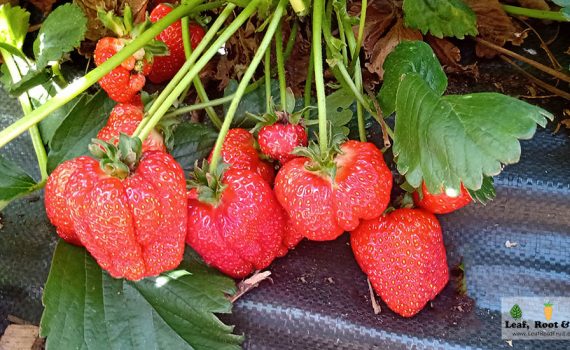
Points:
(43, 5)
(449, 55)
(534, 4)
(95, 29)
(298, 63)
(494, 25)
(386, 44)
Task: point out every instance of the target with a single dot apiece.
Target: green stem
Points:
(80, 85)
(27, 108)
(170, 97)
(210, 34)
(357, 94)
(356, 50)
(267, 71)
(299, 7)
(309, 84)
(318, 10)
(291, 40)
(342, 38)
(200, 90)
(263, 46)
(206, 7)
(532, 13)
(281, 66)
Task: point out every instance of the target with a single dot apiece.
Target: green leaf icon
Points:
(516, 312)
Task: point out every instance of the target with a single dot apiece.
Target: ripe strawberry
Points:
(403, 255)
(238, 225)
(129, 213)
(239, 151)
(165, 67)
(442, 203)
(126, 80)
(324, 199)
(279, 140)
(125, 118)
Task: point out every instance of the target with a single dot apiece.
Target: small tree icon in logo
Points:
(516, 312)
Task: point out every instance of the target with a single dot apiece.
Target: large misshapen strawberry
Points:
(239, 151)
(124, 119)
(325, 197)
(235, 223)
(165, 67)
(128, 210)
(403, 255)
(442, 203)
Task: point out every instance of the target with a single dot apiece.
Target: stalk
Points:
(356, 50)
(291, 40)
(197, 82)
(342, 38)
(80, 85)
(218, 23)
(532, 13)
(27, 108)
(318, 10)
(309, 84)
(265, 43)
(281, 66)
(267, 71)
(170, 97)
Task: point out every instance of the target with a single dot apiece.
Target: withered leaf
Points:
(449, 55)
(534, 4)
(386, 44)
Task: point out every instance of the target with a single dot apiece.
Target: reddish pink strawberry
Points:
(279, 140)
(442, 203)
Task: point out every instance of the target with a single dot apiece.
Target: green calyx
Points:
(117, 161)
(208, 182)
(322, 163)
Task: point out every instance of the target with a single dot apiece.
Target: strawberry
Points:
(128, 212)
(125, 118)
(324, 198)
(165, 67)
(403, 255)
(279, 140)
(126, 80)
(442, 203)
(239, 151)
(235, 223)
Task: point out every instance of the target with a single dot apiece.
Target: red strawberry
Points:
(322, 207)
(126, 80)
(131, 218)
(442, 203)
(165, 67)
(404, 257)
(238, 226)
(125, 118)
(279, 140)
(239, 151)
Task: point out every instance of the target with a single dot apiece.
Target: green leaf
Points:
(486, 193)
(30, 80)
(252, 103)
(440, 17)
(85, 308)
(339, 112)
(453, 139)
(62, 31)
(192, 142)
(410, 57)
(14, 182)
(14, 23)
(81, 124)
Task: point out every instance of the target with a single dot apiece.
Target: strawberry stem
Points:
(168, 98)
(200, 90)
(281, 66)
(267, 71)
(292, 39)
(82, 84)
(532, 13)
(318, 10)
(308, 85)
(356, 50)
(27, 108)
(263, 46)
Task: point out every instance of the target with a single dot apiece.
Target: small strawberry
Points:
(403, 255)
(239, 151)
(125, 118)
(165, 67)
(325, 196)
(235, 222)
(442, 203)
(279, 140)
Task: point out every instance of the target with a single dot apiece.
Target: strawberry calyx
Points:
(117, 161)
(208, 182)
(322, 163)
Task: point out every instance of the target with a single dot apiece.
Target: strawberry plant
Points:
(285, 152)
